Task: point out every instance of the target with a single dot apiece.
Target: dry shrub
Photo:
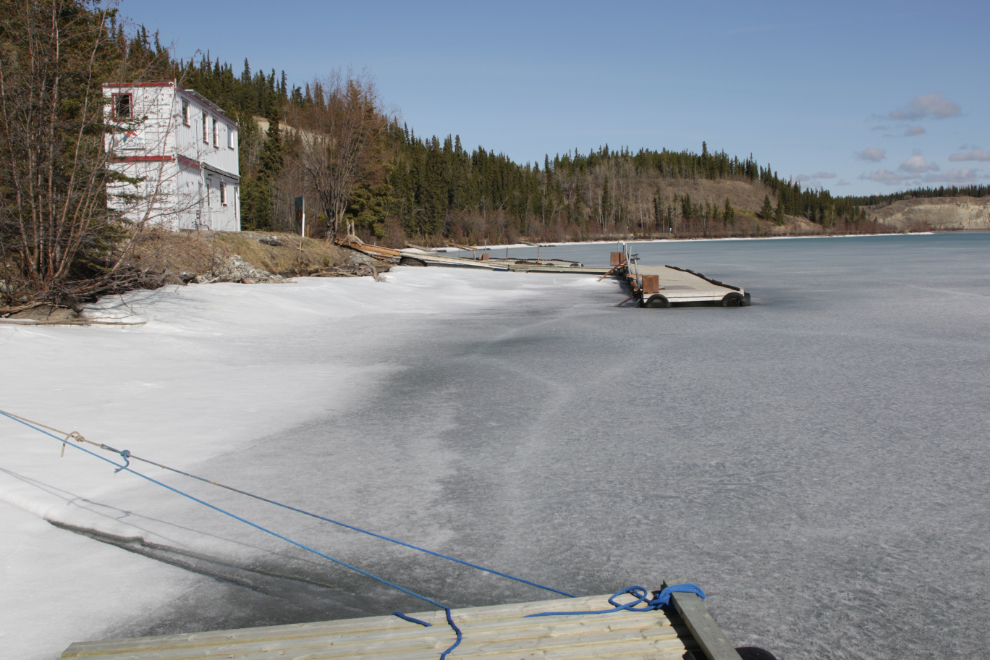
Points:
(174, 252)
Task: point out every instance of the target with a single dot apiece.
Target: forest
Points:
(976, 190)
(332, 140)
(403, 187)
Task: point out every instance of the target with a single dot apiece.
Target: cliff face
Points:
(945, 213)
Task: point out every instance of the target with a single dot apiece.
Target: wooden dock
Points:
(663, 286)
(492, 633)
(649, 286)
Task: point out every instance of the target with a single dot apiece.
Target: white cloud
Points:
(872, 154)
(975, 154)
(842, 182)
(885, 177)
(808, 182)
(926, 106)
(915, 130)
(917, 164)
(824, 175)
(954, 177)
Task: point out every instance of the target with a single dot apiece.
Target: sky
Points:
(855, 97)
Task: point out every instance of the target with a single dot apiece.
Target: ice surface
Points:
(817, 462)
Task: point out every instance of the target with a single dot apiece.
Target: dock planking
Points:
(650, 286)
(492, 632)
(677, 285)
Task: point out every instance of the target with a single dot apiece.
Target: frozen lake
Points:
(817, 462)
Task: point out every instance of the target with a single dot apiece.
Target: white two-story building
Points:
(177, 152)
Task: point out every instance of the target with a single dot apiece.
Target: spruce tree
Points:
(687, 209)
(767, 211)
(261, 213)
(606, 209)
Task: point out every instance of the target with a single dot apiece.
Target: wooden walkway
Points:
(650, 286)
(492, 633)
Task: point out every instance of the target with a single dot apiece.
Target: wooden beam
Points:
(711, 639)
(615, 268)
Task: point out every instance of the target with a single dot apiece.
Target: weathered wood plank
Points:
(597, 645)
(489, 632)
(511, 611)
(415, 637)
(704, 630)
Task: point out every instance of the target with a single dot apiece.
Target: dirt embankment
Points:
(160, 257)
(935, 213)
(247, 256)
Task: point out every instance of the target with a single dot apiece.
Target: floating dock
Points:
(492, 633)
(649, 286)
(663, 286)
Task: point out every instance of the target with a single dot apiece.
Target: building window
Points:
(215, 141)
(230, 137)
(223, 193)
(121, 106)
(204, 127)
(209, 194)
(185, 112)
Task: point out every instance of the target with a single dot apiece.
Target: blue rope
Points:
(411, 619)
(232, 515)
(358, 529)
(450, 620)
(126, 455)
(660, 599)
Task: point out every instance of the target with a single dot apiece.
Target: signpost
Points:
(301, 215)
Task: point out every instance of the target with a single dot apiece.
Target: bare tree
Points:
(54, 167)
(340, 133)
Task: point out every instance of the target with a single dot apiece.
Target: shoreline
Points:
(513, 246)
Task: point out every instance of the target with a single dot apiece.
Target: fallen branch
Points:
(19, 308)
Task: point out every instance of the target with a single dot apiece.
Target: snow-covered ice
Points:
(817, 462)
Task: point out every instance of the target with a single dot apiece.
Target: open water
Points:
(818, 462)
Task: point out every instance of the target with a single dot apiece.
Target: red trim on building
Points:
(188, 162)
(143, 159)
(147, 84)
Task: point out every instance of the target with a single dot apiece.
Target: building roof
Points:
(191, 92)
(208, 103)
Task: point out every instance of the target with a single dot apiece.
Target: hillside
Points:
(935, 213)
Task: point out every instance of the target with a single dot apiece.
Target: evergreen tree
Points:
(606, 206)
(687, 208)
(767, 211)
(259, 192)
